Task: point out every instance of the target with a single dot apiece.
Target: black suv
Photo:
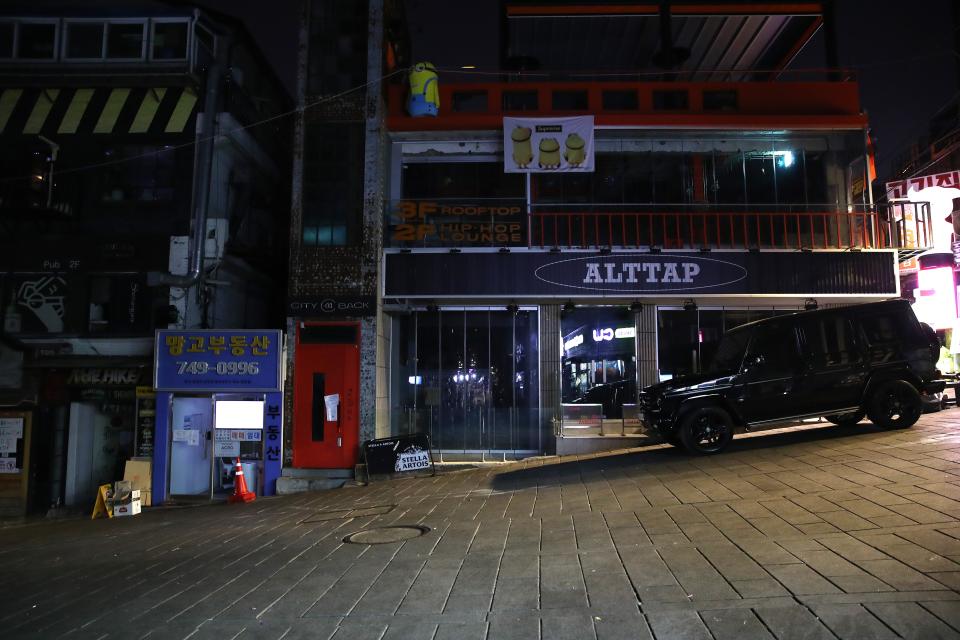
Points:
(845, 363)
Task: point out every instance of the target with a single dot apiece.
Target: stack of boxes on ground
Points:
(126, 499)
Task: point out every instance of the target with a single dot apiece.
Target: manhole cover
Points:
(384, 535)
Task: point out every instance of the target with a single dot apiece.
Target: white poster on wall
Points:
(548, 145)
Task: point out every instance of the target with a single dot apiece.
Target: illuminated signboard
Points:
(425, 223)
(575, 341)
(609, 333)
(936, 297)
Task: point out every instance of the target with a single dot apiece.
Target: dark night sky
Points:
(903, 52)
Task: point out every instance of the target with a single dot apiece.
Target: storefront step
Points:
(294, 480)
(287, 485)
(568, 446)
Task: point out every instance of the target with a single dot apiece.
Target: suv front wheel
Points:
(706, 430)
(894, 404)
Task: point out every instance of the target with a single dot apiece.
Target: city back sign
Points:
(542, 274)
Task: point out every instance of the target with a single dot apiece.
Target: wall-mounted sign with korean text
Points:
(548, 145)
(499, 222)
(939, 190)
(11, 445)
(218, 360)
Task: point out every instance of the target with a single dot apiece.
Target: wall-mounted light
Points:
(636, 307)
(504, 250)
(809, 304)
(568, 306)
(512, 308)
(689, 305)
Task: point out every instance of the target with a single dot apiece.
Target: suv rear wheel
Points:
(894, 404)
(846, 419)
(706, 430)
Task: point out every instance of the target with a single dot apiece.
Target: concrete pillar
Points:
(646, 328)
(550, 356)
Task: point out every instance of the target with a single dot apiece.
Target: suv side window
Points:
(775, 345)
(885, 327)
(829, 341)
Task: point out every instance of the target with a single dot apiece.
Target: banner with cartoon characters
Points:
(544, 145)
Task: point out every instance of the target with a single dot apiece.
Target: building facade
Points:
(604, 190)
(135, 196)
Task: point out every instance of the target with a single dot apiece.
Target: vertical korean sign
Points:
(548, 145)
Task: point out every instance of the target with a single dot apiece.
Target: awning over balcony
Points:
(719, 41)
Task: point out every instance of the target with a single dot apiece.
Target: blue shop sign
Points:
(218, 360)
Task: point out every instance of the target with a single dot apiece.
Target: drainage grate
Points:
(344, 514)
(385, 535)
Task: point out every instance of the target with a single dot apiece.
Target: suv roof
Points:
(877, 306)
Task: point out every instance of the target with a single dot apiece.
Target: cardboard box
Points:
(130, 509)
(138, 472)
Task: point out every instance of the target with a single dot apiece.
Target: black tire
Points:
(847, 419)
(894, 404)
(706, 430)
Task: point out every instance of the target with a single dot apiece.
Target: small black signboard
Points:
(398, 454)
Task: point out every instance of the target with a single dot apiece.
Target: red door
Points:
(326, 361)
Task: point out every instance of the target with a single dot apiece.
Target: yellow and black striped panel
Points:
(59, 111)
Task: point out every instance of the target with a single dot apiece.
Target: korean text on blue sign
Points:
(218, 360)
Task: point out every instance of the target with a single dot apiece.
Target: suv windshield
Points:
(730, 352)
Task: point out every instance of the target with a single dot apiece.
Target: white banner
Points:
(545, 145)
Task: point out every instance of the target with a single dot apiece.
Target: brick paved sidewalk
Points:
(817, 533)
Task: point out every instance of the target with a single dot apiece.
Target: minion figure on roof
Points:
(424, 97)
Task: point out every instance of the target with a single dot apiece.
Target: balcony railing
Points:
(615, 102)
(512, 223)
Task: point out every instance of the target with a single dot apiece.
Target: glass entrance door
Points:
(469, 378)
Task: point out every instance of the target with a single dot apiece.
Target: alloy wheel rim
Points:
(709, 433)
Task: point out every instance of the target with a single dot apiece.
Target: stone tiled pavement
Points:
(816, 533)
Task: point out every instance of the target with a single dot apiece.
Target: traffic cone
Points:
(240, 493)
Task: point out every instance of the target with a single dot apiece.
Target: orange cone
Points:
(240, 493)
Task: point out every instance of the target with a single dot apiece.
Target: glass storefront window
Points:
(599, 362)
(687, 339)
(469, 378)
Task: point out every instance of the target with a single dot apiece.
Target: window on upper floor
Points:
(333, 161)
(338, 47)
(125, 40)
(170, 40)
(146, 174)
(84, 40)
(37, 40)
(460, 180)
(6, 39)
